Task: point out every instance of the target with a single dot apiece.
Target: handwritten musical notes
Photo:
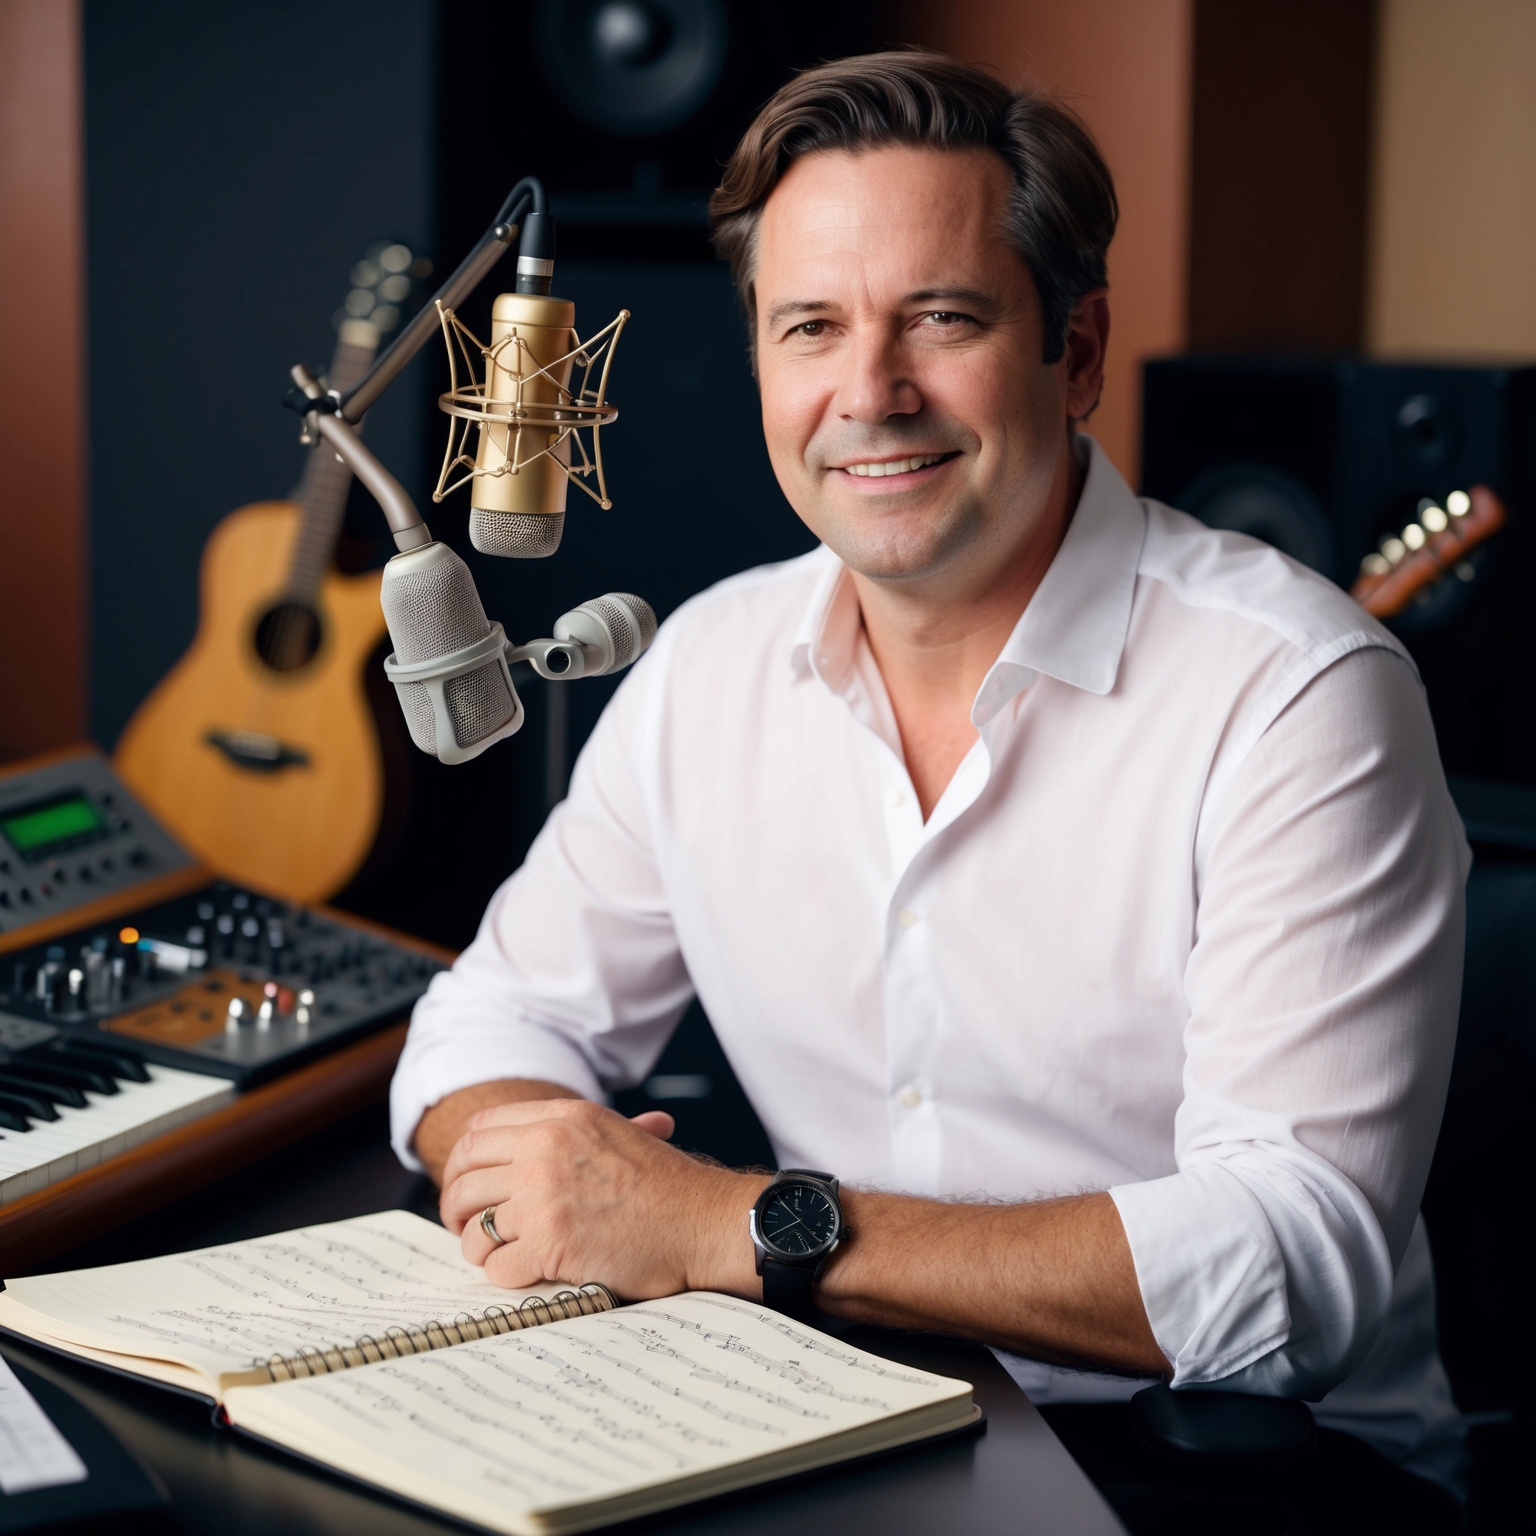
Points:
(537, 1430)
(228, 1310)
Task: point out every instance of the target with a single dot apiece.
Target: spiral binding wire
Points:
(398, 1342)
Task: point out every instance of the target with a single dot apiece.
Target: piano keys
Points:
(62, 1111)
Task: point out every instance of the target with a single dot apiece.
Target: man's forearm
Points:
(444, 1123)
(583, 1193)
(1054, 1280)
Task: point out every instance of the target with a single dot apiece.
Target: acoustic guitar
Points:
(259, 749)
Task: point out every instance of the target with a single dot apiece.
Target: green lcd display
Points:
(38, 830)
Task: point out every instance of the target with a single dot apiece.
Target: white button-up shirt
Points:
(1186, 925)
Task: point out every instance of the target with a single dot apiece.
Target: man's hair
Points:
(1062, 207)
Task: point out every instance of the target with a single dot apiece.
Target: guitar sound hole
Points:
(287, 636)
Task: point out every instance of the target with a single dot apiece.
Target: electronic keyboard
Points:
(141, 996)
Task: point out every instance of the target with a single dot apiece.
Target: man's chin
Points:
(899, 556)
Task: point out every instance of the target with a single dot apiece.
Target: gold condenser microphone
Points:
(517, 504)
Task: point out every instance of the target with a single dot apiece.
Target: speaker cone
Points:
(1265, 504)
(632, 67)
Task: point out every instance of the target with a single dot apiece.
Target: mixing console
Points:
(221, 980)
(139, 997)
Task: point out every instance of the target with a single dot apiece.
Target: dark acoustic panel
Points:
(239, 159)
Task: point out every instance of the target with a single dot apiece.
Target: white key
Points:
(109, 1124)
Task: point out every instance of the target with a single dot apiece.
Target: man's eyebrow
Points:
(970, 298)
(973, 298)
(787, 307)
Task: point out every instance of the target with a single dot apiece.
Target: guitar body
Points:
(270, 776)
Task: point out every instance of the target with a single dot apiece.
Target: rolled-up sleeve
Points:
(1323, 988)
(575, 976)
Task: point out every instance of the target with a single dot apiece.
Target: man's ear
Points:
(1087, 344)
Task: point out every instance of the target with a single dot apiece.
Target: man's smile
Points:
(895, 474)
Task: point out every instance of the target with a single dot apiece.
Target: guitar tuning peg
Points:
(1458, 503)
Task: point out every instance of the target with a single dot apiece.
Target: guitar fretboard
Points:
(323, 489)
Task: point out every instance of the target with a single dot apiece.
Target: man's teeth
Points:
(894, 466)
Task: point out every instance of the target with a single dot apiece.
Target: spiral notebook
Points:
(372, 1347)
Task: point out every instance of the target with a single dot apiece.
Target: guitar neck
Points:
(326, 481)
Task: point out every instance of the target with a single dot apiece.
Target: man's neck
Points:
(934, 643)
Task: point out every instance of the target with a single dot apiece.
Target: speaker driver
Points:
(632, 67)
(1425, 431)
(1265, 504)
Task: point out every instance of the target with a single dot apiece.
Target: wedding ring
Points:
(488, 1223)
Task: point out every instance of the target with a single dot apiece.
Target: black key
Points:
(93, 1056)
(31, 1104)
(12, 1121)
(94, 1080)
(28, 1081)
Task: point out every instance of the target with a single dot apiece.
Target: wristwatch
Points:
(796, 1225)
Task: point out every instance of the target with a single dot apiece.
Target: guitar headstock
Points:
(1433, 548)
(387, 288)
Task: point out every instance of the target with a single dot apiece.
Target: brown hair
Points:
(1062, 212)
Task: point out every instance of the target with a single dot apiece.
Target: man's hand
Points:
(582, 1194)
(449, 1118)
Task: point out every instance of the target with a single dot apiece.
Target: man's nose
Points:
(876, 382)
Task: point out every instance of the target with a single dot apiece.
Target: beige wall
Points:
(42, 439)
(1124, 66)
(1453, 218)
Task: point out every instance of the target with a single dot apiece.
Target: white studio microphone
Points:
(449, 665)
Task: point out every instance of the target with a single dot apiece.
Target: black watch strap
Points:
(787, 1288)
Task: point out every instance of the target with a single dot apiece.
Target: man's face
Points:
(909, 417)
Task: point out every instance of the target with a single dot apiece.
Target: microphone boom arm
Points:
(524, 211)
(405, 522)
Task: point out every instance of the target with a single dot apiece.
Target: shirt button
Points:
(911, 1098)
(906, 917)
(896, 797)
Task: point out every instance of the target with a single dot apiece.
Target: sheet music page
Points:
(229, 1308)
(559, 1416)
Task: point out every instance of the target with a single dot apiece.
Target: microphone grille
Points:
(645, 616)
(430, 604)
(630, 620)
(479, 703)
(420, 718)
(515, 535)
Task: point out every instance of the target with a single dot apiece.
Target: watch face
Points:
(797, 1220)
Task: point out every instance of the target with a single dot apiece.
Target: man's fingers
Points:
(464, 1199)
(476, 1243)
(493, 1147)
(529, 1111)
(657, 1122)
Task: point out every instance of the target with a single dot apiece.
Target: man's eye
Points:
(946, 317)
(811, 328)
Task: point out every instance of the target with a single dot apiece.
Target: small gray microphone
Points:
(603, 635)
(612, 631)
(449, 665)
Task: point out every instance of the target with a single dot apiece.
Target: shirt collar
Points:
(1073, 630)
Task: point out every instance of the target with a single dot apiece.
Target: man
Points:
(1075, 883)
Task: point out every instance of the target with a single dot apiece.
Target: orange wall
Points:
(42, 401)
(1124, 66)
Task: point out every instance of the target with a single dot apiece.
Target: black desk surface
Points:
(1016, 1478)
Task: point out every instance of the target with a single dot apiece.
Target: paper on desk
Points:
(33, 1454)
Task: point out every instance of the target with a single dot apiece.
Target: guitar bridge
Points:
(256, 752)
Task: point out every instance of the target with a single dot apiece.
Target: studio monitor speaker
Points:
(1323, 458)
(627, 109)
